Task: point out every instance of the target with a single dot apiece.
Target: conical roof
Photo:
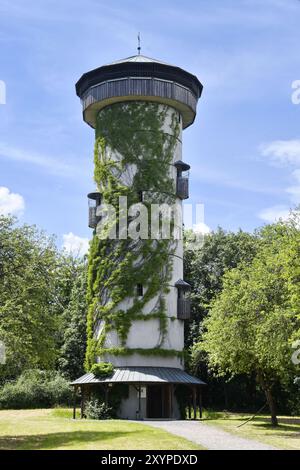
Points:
(181, 283)
(138, 58)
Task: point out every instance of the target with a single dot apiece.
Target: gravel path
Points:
(210, 437)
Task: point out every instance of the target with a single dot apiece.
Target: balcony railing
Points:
(182, 187)
(183, 309)
(93, 218)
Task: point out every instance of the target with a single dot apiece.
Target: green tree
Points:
(28, 267)
(253, 320)
(204, 268)
(72, 352)
(36, 283)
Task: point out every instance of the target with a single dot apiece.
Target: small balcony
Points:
(182, 180)
(183, 300)
(183, 309)
(182, 187)
(93, 218)
(94, 203)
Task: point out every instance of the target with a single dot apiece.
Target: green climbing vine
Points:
(132, 154)
(102, 369)
(143, 352)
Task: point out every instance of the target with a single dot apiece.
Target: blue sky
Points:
(244, 148)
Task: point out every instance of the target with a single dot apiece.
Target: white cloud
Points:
(201, 228)
(275, 213)
(74, 245)
(283, 152)
(10, 203)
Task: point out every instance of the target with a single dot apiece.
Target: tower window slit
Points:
(139, 290)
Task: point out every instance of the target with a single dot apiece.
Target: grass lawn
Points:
(54, 429)
(285, 436)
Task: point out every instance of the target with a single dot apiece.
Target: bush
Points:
(117, 393)
(212, 414)
(102, 369)
(182, 394)
(36, 389)
(95, 409)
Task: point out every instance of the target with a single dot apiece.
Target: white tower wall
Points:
(146, 334)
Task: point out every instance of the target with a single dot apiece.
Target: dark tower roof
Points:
(182, 284)
(180, 165)
(138, 58)
(139, 78)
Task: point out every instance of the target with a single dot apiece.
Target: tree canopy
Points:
(255, 318)
(36, 282)
(205, 265)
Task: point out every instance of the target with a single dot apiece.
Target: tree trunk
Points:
(269, 396)
(272, 406)
(225, 396)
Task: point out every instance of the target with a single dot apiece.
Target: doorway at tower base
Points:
(150, 401)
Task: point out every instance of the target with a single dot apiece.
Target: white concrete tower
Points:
(138, 300)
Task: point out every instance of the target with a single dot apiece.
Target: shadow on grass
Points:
(290, 420)
(291, 425)
(284, 424)
(55, 440)
(277, 429)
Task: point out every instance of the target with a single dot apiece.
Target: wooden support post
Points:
(200, 401)
(171, 400)
(74, 402)
(82, 401)
(106, 394)
(194, 402)
(89, 392)
(139, 412)
(190, 410)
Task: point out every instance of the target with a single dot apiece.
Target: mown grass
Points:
(285, 436)
(55, 429)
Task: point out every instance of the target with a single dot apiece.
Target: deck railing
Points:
(184, 309)
(182, 187)
(93, 218)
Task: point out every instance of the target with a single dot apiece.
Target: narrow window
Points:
(139, 289)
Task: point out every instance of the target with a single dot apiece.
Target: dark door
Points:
(154, 401)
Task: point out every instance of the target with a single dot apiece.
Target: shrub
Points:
(117, 393)
(36, 389)
(182, 394)
(102, 369)
(95, 409)
(212, 414)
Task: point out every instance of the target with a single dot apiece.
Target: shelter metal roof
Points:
(142, 375)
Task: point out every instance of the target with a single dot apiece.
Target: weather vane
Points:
(139, 43)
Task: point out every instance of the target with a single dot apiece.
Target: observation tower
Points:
(138, 297)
